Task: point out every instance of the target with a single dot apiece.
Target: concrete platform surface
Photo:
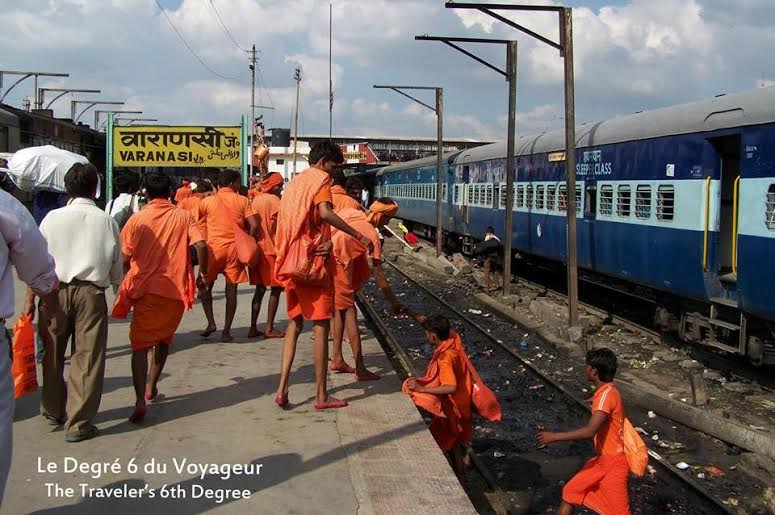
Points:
(216, 409)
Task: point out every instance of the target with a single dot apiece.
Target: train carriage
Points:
(680, 200)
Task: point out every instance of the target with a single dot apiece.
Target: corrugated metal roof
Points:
(738, 109)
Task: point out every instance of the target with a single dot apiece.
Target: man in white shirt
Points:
(84, 241)
(22, 245)
(128, 201)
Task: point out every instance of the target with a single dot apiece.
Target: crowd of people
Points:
(314, 241)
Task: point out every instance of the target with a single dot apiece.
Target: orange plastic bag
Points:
(25, 378)
(484, 400)
(635, 450)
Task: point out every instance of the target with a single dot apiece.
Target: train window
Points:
(471, 188)
(540, 196)
(444, 192)
(456, 193)
(590, 199)
(643, 201)
(606, 199)
(665, 203)
(578, 199)
(623, 201)
(562, 198)
(488, 195)
(551, 197)
(496, 195)
(770, 210)
(519, 198)
(478, 195)
(529, 197)
(502, 196)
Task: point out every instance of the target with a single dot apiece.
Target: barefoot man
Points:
(159, 284)
(352, 271)
(305, 213)
(265, 205)
(218, 215)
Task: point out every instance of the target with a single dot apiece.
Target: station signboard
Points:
(180, 146)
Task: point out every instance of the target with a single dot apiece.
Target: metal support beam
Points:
(566, 31)
(476, 58)
(74, 106)
(26, 75)
(511, 7)
(511, 165)
(440, 176)
(98, 112)
(63, 92)
(521, 28)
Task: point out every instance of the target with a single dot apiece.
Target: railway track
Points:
(523, 478)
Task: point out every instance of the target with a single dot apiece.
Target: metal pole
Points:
(330, 82)
(253, 110)
(440, 176)
(297, 77)
(511, 65)
(109, 157)
(96, 120)
(566, 32)
(37, 94)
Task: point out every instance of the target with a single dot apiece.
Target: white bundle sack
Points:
(42, 168)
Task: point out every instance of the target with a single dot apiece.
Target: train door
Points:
(728, 150)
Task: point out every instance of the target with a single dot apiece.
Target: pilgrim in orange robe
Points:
(352, 260)
(216, 215)
(267, 207)
(190, 203)
(601, 484)
(341, 200)
(183, 192)
(160, 282)
(452, 424)
(299, 215)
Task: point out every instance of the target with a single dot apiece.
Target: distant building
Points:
(281, 159)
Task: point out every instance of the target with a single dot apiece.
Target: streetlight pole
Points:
(565, 46)
(63, 92)
(92, 103)
(26, 75)
(253, 65)
(439, 150)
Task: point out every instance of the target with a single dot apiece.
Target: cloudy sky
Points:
(631, 55)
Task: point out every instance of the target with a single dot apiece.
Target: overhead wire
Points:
(225, 28)
(201, 61)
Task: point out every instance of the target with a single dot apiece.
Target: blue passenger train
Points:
(680, 199)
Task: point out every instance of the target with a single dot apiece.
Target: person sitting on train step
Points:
(492, 258)
(445, 390)
(601, 485)
(352, 270)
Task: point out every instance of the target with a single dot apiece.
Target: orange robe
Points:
(216, 215)
(190, 203)
(183, 193)
(299, 215)
(160, 282)
(341, 200)
(266, 206)
(601, 484)
(352, 262)
(452, 423)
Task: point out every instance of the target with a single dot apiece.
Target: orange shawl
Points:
(296, 217)
(439, 405)
(342, 200)
(350, 252)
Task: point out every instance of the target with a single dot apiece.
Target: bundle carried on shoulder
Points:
(43, 168)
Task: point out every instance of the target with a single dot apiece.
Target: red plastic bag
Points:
(25, 378)
(635, 450)
(301, 265)
(484, 400)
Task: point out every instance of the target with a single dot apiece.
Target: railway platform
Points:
(239, 452)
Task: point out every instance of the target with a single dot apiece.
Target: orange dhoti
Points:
(263, 274)
(155, 321)
(310, 302)
(222, 259)
(601, 486)
(448, 434)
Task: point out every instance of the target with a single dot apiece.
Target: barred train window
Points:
(624, 201)
(529, 197)
(470, 195)
(562, 198)
(456, 193)
(488, 195)
(551, 197)
(503, 192)
(643, 201)
(665, 203)
(519, 198)
(578, 199)
(496, 195)
(540, 196)
(444, 191)
(606, 199)
(770, 211)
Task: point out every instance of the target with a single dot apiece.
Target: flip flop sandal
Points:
(332, 403)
